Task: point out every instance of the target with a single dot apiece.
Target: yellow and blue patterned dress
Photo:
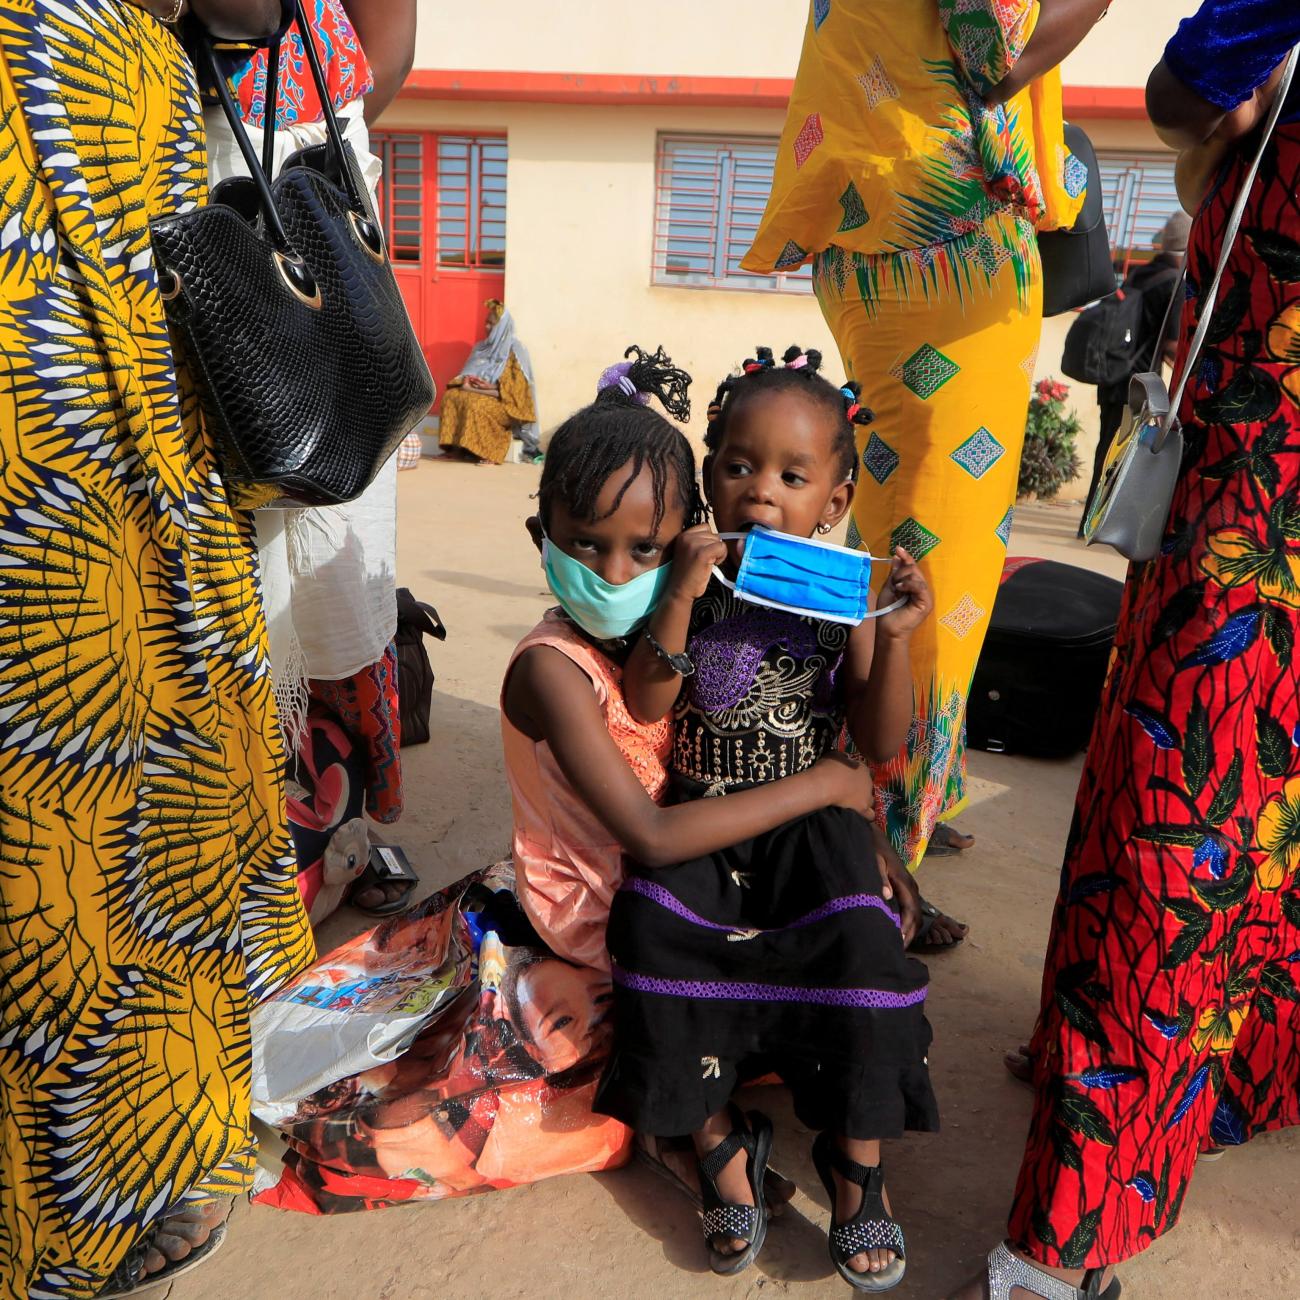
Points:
(147, 892)
(918, 207)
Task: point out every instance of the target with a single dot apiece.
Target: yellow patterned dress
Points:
(147, 891)
(918, 207)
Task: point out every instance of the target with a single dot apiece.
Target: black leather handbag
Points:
(284, 302)
(1077, 267)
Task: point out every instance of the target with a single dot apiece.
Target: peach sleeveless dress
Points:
(567, 865)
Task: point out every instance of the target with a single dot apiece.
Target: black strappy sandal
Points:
(921, 941)
(871, 1228)
(778, 1190)
(725, 1219)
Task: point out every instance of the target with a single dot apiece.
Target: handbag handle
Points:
(1229, 242)
(293, 270)
(419, 615)
(272, 109)
(261, 170)
(1175, 295)
(332, 131)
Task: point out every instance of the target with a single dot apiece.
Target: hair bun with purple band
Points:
(619, 376)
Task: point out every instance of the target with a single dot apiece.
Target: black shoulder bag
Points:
(283, 299)
(1077, 267)
(415, 621)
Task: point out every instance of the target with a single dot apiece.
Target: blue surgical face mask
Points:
(602, 609)
(804, 576)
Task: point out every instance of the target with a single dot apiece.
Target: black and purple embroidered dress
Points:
(777, 954)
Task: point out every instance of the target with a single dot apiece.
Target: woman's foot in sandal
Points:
(946, 840)
(374, 897)
(1010, 1275)
(386, 885)
(866, 1245)
(733, 1151)
(176, 1244)
(935, 930)
(1020, 1064)
(938, 931)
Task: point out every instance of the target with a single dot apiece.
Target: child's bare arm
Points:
(879, 685)
(650, 685)
(553, 696)
(881, 712)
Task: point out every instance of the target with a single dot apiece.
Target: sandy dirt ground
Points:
(463, 547)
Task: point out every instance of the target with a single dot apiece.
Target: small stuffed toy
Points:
(344, 859)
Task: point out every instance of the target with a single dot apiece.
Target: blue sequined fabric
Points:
(1228, 48)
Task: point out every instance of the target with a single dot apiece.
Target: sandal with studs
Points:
(871, 1228)
(723, 1219)
(1008, 1270)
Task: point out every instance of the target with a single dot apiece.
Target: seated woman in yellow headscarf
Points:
(493, 399)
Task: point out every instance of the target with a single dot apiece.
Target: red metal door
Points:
(402, 207)
(443, 200)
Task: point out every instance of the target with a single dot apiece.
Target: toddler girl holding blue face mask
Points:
(779, 952)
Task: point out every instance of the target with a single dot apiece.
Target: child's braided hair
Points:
(618, 429)
(800, 373)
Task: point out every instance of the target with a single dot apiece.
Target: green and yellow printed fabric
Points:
(888, 144)
(919, 208)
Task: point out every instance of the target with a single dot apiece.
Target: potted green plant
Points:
(1049, 459)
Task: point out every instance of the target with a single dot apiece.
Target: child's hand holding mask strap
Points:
(905, 582)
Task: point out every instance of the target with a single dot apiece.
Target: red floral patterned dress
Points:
(1171, 1016)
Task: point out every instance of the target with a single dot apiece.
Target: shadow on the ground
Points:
(486, 586)
(1057, 524)
(511, 633)
(457, 813)
(795, 1250)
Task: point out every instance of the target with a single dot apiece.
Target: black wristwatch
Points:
(680, 664)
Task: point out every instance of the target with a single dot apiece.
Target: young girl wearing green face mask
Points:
(617, 490)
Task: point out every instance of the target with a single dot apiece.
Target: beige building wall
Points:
(719, 38)
(684, 38)
(1126, 44)
(581, 183)
(580, 224)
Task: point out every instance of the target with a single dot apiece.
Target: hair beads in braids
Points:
(619, 429)
(800, 373)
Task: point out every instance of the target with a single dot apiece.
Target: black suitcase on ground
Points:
(1039, 678)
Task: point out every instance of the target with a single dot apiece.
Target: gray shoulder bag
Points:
(1130, 508)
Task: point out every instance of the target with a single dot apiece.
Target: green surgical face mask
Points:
(602, 609)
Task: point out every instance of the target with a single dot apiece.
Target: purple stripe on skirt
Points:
(658, 894)
(873, 999)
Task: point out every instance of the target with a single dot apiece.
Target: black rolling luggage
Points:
(1039, 677)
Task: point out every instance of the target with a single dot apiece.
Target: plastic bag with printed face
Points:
(495, 1090)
